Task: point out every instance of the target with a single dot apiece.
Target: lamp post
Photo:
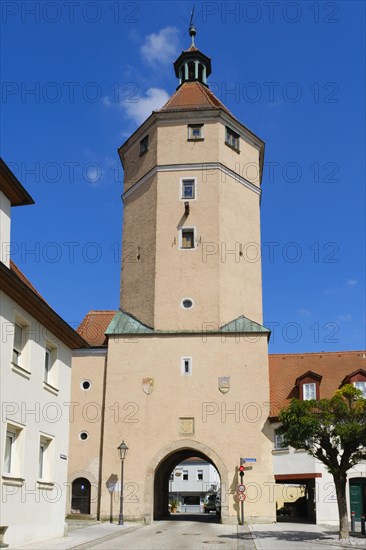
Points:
(122, 454)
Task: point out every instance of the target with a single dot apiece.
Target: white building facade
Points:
(190, 483)
(35, 361)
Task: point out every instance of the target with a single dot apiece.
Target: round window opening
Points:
(83, 436)
(187, 303)
(86, 384)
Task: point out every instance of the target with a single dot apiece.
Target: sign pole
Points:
(242, 511)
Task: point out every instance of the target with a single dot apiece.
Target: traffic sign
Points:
(249, 460)
(242, 497)
(241, 488)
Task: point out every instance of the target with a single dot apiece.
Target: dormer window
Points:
(144, 145)
(309, 391)
(358, 379)
(361, 386)
(309, 386)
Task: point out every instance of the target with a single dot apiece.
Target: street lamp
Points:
(122, 454)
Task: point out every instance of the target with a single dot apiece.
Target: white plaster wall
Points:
(31, 513)
(5, 207)
(210, 477)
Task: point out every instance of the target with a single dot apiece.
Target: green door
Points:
(356, 500)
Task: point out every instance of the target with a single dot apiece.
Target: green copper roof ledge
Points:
(124, 323)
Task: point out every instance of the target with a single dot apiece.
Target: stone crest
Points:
(224, 384)
(148, 385)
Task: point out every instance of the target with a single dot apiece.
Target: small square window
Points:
(309, 391)
(144, 145)
(278, 441)
(199, 475)
(232, 139)
(185, 475)
(195, 131)
(187, 238)
(188, 189)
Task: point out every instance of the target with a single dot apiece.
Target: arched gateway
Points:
(158, 471)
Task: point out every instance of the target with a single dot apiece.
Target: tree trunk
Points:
(340, 482)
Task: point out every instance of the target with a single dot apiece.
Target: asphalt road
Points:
(182, 534)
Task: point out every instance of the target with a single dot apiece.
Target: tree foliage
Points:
(333, 431)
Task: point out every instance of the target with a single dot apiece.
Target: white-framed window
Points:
(232, 138)
(186, 366)
(185, 475)
(309, 391)
(144, 145)
(9, 451)
(361, 386)
(171, 477)
(188, 189)
(20, 341)
(13, 450)
(187, 238)
(50, 359)
(278, 440)
(199, 475)
(195, 132)
(45, 458)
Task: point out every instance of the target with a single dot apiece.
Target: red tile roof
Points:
(192, 96)
(332, 366)
(16, 285)
(94, 325)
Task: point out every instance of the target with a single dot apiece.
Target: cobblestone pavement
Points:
(180, 535)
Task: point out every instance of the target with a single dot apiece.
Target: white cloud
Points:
(142, 107)
(351, 282)
(304, 312)
(161, 47)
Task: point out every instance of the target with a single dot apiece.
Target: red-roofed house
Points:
(313, 376)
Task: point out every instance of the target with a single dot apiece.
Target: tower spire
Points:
(192, 28)
(192, 65)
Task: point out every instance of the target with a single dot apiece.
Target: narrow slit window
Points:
(144, 145)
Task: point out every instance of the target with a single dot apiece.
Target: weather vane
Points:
(192, 28)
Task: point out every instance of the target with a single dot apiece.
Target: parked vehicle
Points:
(212, 504)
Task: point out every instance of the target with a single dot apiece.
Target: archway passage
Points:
(162, 479)
(80, 502)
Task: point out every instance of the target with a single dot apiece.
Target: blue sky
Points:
(79, 77)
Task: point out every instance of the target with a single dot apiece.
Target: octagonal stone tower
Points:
(191, 197)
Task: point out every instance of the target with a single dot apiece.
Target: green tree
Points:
(333, 431)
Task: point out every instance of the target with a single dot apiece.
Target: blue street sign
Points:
(250, 460)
